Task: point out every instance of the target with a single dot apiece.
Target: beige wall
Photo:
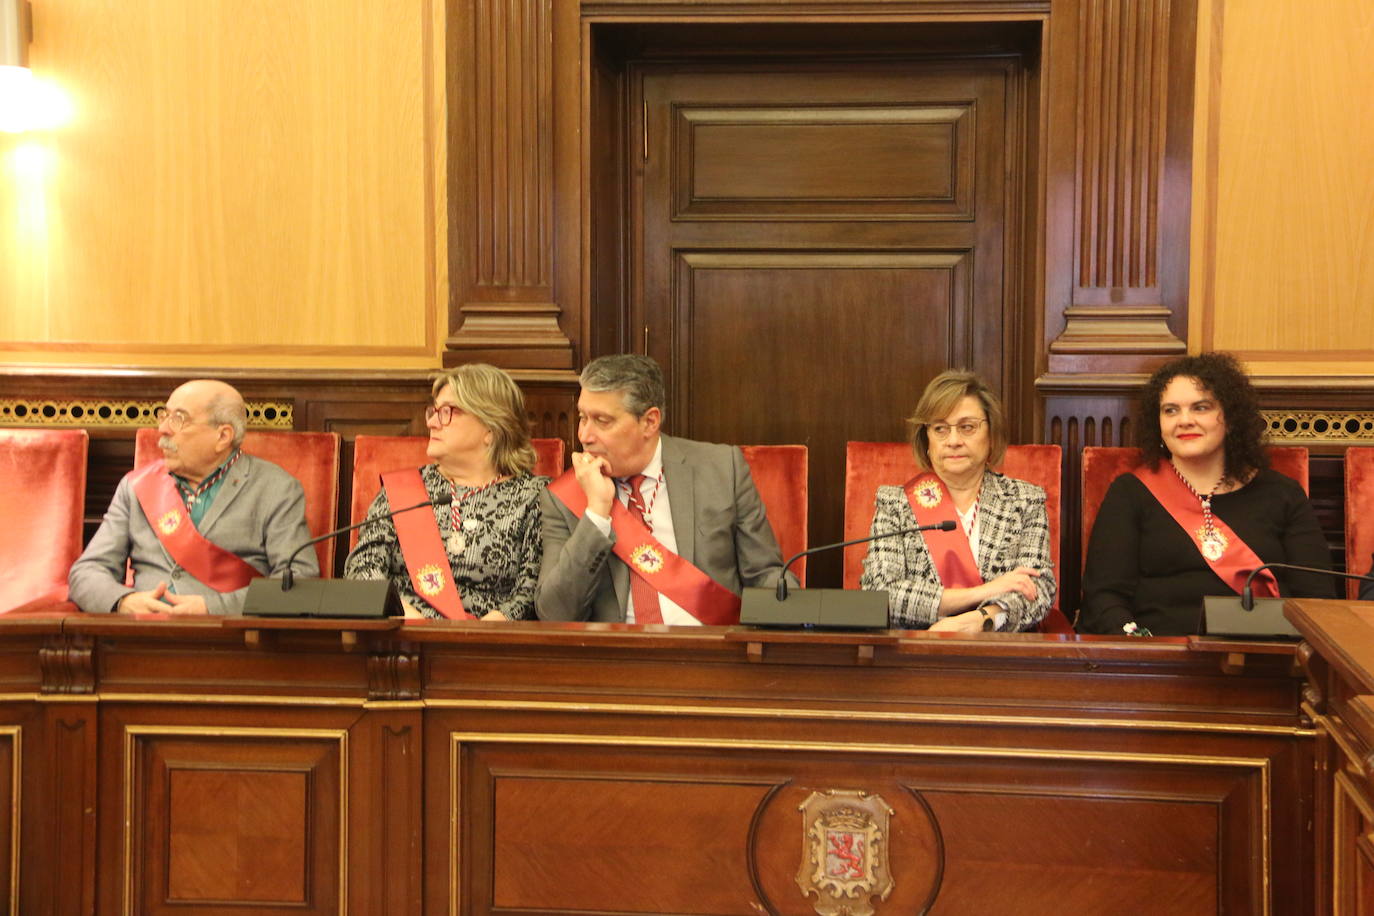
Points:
(1283, 218)
(241, 182)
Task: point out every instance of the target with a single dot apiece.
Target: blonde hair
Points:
(941, 396)
(492, 396)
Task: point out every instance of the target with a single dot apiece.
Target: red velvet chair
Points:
(312, 458)
(869, 465)
(1359, 514)
(42, 498)
(780, 475)
(1103, 464)
(373, 456)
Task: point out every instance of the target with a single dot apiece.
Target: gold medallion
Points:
(1212, 543)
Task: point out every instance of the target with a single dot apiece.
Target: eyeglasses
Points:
(444, 412)
(966, 428)
(175, 419)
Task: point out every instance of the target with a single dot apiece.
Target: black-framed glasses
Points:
(176, 420)
(966, 428)
(444, 412)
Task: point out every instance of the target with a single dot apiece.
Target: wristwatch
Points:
(988, 622)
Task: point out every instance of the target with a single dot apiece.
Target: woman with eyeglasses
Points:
(477, 556)
(993, 571)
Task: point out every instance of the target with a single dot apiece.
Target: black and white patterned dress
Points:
(498, 567)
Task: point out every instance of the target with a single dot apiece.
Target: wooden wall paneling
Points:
(504, 174)
(1117, 285)
(1283, 277)
(249, 184)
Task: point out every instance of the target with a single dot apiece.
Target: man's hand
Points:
(494, 615)
(150, 602)
(186, 604)
(594, 476)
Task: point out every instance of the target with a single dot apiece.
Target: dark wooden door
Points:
(814, 242)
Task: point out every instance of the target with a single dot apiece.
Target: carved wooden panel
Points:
(223, 817)
(1132, 124)
(842, 161)
(717, 825)
(504, 174)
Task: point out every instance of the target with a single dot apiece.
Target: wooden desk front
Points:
(227, 766)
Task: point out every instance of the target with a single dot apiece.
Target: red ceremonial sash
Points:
(422, 547)
(949, 550)
(162, 504)
(1229, 556)
(702, 597)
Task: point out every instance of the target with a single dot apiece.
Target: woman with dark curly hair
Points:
(1201, 511)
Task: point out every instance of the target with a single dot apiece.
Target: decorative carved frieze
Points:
(123, 413)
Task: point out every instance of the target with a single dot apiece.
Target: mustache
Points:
(166, 444)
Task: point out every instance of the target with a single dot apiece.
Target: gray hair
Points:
(637, 378)
(226, 410)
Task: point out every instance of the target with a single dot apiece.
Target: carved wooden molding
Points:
(68, 665)
(393, 675)
(1125, 197)
(505, 186)
(105, 413)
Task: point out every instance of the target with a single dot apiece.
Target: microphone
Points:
(1247, 597)
(288, 577)
(947, 525)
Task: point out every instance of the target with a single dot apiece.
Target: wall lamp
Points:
(16, 80)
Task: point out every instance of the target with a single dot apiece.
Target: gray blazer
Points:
(258, 514)
(722, 529)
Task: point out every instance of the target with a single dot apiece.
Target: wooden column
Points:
(502, 189)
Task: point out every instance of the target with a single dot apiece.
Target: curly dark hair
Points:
(1222, 375)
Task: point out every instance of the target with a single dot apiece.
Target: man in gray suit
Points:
(648, 528)
(198, 525)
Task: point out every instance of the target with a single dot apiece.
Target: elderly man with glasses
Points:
(198, 525)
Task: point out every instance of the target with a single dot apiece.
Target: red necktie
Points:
(645, 595)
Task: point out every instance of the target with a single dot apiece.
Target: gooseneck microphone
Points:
(946, 525)
(288, 577)
(1247, 598)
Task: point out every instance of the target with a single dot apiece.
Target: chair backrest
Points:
(1359, 514)
(373, 456)
(780, 476)
(311, 458)
(42, 499)
(1103, 464)
(869, 465)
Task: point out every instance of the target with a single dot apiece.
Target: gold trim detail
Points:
(16, 734)
(132, 733)
(1303, 427)
(635, 709)
(126, 413)
(457, 739)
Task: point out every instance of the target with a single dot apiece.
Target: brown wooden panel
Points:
(222, 817)
(835, 161)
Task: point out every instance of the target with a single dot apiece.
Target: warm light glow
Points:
(29, 103)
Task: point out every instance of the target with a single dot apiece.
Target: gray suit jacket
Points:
(258, 514)
(722, 529)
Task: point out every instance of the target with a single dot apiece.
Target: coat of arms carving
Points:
(844, 852)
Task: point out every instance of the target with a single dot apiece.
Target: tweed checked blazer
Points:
(258, 515)
(1013, 529)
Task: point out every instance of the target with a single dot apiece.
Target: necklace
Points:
(1211, 542)
(457, 541)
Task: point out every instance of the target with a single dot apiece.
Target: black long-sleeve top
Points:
(1143, 567)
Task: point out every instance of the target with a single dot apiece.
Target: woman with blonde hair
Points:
(993, 571)
(477, 556)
